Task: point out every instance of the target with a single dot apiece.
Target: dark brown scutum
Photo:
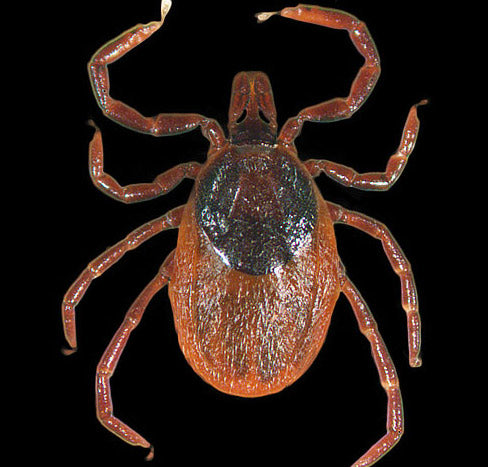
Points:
(258, 211)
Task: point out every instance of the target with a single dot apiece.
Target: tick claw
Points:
(265, 15)
(92, 124)
(165, 7)
(67, 352)
(150, 455)
(416, 362)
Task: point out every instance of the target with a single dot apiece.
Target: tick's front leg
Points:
(160, 125)
(338, 108)
(388, 376)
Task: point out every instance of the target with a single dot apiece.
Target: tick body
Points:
(255, 275)
(256, 271)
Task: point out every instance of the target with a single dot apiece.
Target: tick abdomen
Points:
(252, 335)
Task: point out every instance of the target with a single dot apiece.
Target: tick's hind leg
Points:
(387, 373)
(112, 354)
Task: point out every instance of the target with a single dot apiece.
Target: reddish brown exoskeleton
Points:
(255, 275)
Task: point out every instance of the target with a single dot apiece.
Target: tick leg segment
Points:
(387, 373)
(373, 180)
(400, 265)
(112, 354)
(338, 108)
(161, 125)
(106, 260)
(162, 184)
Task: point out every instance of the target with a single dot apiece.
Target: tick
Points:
(255, 275)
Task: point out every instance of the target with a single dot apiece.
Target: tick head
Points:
(252, 112)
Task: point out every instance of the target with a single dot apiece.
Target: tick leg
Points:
(363, 84)
(106, 260)
(112, 354)
(400, 265)
(387, 373)
(161, 125)
(373, 180)
(135, 192)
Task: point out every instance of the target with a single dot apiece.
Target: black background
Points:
(337, 410)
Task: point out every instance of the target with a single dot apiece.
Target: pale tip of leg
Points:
(415, 362)
(68, 352)
(165, 7)
(423, 102)
(150, 455)
(92, 124)
(265, 15)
